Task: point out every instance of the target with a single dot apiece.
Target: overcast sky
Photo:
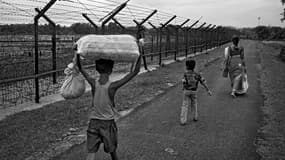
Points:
(239, 13)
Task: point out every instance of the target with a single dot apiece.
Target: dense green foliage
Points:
(265, 33)
(76, 28)
(259, 32)
(270, 33)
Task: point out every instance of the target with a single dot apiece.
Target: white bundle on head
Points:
(114, 47)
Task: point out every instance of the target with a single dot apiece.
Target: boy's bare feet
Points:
(210, 93)
(233, 95)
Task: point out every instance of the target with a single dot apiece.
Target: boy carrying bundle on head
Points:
(102, 127)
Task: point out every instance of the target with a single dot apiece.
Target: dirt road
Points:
(226, 128)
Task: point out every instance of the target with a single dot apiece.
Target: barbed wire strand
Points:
(69, 9)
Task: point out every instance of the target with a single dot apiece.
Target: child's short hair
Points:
(190, 64)
(235, 39)
(104, 66)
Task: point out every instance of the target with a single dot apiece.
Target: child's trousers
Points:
(189, 100)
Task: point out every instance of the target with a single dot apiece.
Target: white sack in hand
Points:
(115, 47)
(242, 84)
(74, 84)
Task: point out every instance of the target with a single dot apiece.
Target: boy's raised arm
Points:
(128, 77)
(89, 79)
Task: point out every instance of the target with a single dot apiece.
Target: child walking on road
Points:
(190, 80)
(102, 127)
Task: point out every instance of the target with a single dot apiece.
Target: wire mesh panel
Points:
(15, 57)
(16, 92)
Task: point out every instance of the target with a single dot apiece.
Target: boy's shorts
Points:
(102, 131)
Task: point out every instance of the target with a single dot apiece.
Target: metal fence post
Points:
(193, 45)
(167, 46)
(90, 21)
(205, 30)
(211, 30)
(54, 54)
(187, 36)
(163, 26)
(194, 40)
(186, 42)
(176, 43)
(53, 39)
(151, 49)
(140, 34)
(111, 15)
(36, 56)
(201, 41)
(157, 40)
(160, 39)
(36, 60)
(218, 35)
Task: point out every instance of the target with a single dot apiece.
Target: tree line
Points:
(76, 28)
(265, 33)
(259, 32)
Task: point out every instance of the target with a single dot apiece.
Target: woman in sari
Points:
(234, 61)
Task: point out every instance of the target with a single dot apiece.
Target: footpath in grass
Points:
(271, 140)
(50, 130)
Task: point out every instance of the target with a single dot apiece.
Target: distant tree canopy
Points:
(16, 29)
(76, 28)
(81, 28)
(265, 33)
(269, 33)
(260, 32)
